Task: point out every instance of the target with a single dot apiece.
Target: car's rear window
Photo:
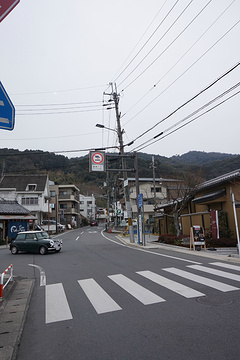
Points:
(20, 236)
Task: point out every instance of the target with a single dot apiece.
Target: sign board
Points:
(6, 6)
(140, 200)
(197, 237)
(7, 110)
(14, 227)
(125, 184)
(119, 211)
(96, 161)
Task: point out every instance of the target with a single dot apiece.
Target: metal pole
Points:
(235, 218)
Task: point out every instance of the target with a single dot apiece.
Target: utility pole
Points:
(120, 139)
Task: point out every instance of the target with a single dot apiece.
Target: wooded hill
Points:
(63, 170)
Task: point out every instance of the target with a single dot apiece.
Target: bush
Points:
(222, 242)
(178, 240)
(171, 239)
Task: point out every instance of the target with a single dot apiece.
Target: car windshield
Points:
(43, 235)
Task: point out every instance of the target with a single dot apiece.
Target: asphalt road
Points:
(98, 299)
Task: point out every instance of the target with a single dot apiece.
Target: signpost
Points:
(6, 6)
(97, 161)
(7, 110)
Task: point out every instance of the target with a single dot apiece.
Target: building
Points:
(211, 207)
(13, 218)
(30, 191)
(87, 207)
(64, 204)
(155, 192)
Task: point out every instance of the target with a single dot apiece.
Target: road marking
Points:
(145, 296)
(215, 272)
(42, 274)
(201, 280)
(149, 252)
(227, 266)
(77, 238)
(57, 308)
(178, 288)
(99, 299)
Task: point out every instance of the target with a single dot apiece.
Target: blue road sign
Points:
(7, 110)
(140, 200)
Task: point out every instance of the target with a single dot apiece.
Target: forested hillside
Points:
(63, 170)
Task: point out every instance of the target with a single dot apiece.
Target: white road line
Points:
(215, 272)
(227, 266)
(180, 289)
(99, 299)
(145, 296)
(77, 238)
(149, 252)
(42, 274)
(201, 280)
(57, 308)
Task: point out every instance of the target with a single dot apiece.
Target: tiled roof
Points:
(20, 182)
(12, 207)
(220, 179)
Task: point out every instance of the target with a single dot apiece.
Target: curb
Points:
(13, 311)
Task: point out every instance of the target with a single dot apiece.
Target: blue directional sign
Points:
(140, 200)
(7, 110)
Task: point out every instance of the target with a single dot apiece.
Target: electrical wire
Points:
(145, 144)
(189, 100)
(155, 85)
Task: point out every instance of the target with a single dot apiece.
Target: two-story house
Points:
(30, 191)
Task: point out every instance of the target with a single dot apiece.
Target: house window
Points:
(31, 187)
(53, 193)
(63, 193)
(29, 201)
(89, 202)
(158, 189)
(63, 206)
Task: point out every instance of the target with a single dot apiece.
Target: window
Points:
(158, 189)
(31, 187)
(63, 206)
(29, 200)
(53, 193)
(89, 202)
(63, 193)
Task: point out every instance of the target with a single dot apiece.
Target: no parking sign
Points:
(96, 161)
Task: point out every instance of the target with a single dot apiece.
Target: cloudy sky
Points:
(58, 57)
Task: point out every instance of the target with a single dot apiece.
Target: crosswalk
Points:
(57, 307)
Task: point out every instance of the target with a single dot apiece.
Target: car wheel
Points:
(14, 250)
(43, 250)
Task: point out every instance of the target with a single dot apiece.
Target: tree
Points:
(181, 193)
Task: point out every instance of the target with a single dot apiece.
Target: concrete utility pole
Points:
(120, 139)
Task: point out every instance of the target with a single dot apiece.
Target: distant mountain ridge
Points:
(76, 170)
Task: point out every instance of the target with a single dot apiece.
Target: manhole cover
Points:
(214, 300)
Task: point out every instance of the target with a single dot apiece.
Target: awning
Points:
(17, 217)
(210, 196)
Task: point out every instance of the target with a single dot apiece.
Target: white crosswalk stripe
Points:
(201, 280)
(226, 266)
(57, 308)
(171, 285)
(215, 272)
(145, 296)
(99, 299)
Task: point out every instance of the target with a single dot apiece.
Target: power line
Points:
(144, 145)
(154, 86)
(57, 91)
(189, 100)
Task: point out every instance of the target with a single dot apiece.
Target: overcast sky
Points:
(58, 57)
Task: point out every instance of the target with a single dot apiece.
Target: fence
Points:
(2, 285)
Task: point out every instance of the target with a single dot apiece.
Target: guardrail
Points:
(2, 285)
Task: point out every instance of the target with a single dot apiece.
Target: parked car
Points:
(35, 241)
(52, 225)
(93, 223)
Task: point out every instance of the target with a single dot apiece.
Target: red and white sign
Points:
(97, 161)
(6, 6)
(97, 158)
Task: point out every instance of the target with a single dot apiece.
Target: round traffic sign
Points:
(97, 158)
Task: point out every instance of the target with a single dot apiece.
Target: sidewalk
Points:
(13, 310)
(224, 254)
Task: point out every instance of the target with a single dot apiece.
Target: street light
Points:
(105, 127)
